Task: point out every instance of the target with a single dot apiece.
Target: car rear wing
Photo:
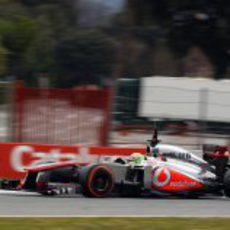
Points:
(216, 151)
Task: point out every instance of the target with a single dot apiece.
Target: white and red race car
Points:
(165, 170)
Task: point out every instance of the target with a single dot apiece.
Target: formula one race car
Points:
(164, 170)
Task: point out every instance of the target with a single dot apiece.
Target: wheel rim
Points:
(101, 182)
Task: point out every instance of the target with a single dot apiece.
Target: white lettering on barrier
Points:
(18, 153)
(16, 157)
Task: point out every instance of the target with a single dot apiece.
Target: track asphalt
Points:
(32, 204)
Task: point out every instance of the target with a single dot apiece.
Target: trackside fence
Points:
(63, 116)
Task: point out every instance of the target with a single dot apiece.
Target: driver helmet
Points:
(137, 158)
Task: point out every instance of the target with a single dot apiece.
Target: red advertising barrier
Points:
(15, 157)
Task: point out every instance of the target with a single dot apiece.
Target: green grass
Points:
(114, 223)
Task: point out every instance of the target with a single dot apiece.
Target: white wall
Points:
(185, 98)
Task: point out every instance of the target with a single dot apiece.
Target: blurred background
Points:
(109, 71)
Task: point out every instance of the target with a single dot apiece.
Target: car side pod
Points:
(96, 180)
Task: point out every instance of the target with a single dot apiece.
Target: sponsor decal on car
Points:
(178, 155)
(161, 177)
(183, 183)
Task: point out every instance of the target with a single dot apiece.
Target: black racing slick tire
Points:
(96, 181)
(227, 183)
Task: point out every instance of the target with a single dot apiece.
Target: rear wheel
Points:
(227, 183)
(96, 181)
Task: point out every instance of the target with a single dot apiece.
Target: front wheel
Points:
(96, 181)
(227, 183)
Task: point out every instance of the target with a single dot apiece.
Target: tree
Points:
(3, 61)
(66, 10)
(188, 23)
(39, 57)
(86, 57)
(29, 30)
(17, 36)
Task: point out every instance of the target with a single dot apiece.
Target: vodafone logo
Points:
(26, 153)
(161, 177)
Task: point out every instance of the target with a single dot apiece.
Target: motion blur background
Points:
(166, 64)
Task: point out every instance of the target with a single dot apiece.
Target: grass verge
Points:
(114, 223)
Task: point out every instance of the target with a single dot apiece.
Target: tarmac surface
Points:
(14, 203)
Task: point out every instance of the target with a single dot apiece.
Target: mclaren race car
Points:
(164, 170)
